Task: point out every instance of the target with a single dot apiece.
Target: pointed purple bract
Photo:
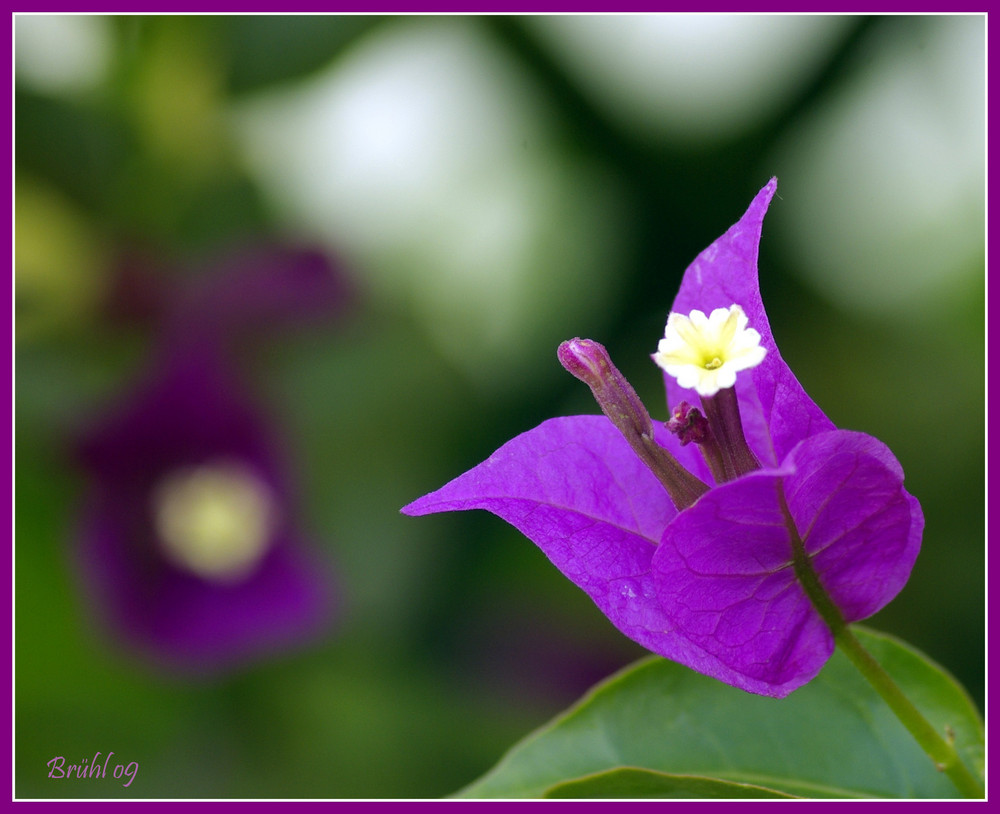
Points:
(713, 586)
(776, 411)
(575, 487)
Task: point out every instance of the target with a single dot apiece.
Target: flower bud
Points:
(589, 362)
(688, 424)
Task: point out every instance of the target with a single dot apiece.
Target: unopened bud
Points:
(688, 424)
(590, 363)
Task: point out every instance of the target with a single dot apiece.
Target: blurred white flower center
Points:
(215, 520)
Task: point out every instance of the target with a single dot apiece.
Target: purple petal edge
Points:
(574, 487)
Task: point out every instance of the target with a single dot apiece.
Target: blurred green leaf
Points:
(640, 783)
(75, 148)
(834, 737)
(269, 49)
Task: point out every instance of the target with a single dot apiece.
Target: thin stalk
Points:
(940, 749)
(589, 362)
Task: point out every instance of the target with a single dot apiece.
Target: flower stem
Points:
(940, 749)
(723, 413)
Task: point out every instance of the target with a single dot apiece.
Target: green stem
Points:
(940, 749)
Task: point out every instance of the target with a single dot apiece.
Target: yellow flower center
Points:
(214, 520)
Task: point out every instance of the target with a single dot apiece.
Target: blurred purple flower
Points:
(694, 538)
(188, 541)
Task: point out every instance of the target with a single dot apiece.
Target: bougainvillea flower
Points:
(189, 542)
(695, 537)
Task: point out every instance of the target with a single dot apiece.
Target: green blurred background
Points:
(494, 185)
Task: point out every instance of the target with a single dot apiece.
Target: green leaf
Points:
(834, 737)
(641, 783)
(262, 51)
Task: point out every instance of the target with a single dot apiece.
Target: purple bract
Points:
(709, 582)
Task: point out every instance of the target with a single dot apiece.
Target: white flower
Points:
(705, 353)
